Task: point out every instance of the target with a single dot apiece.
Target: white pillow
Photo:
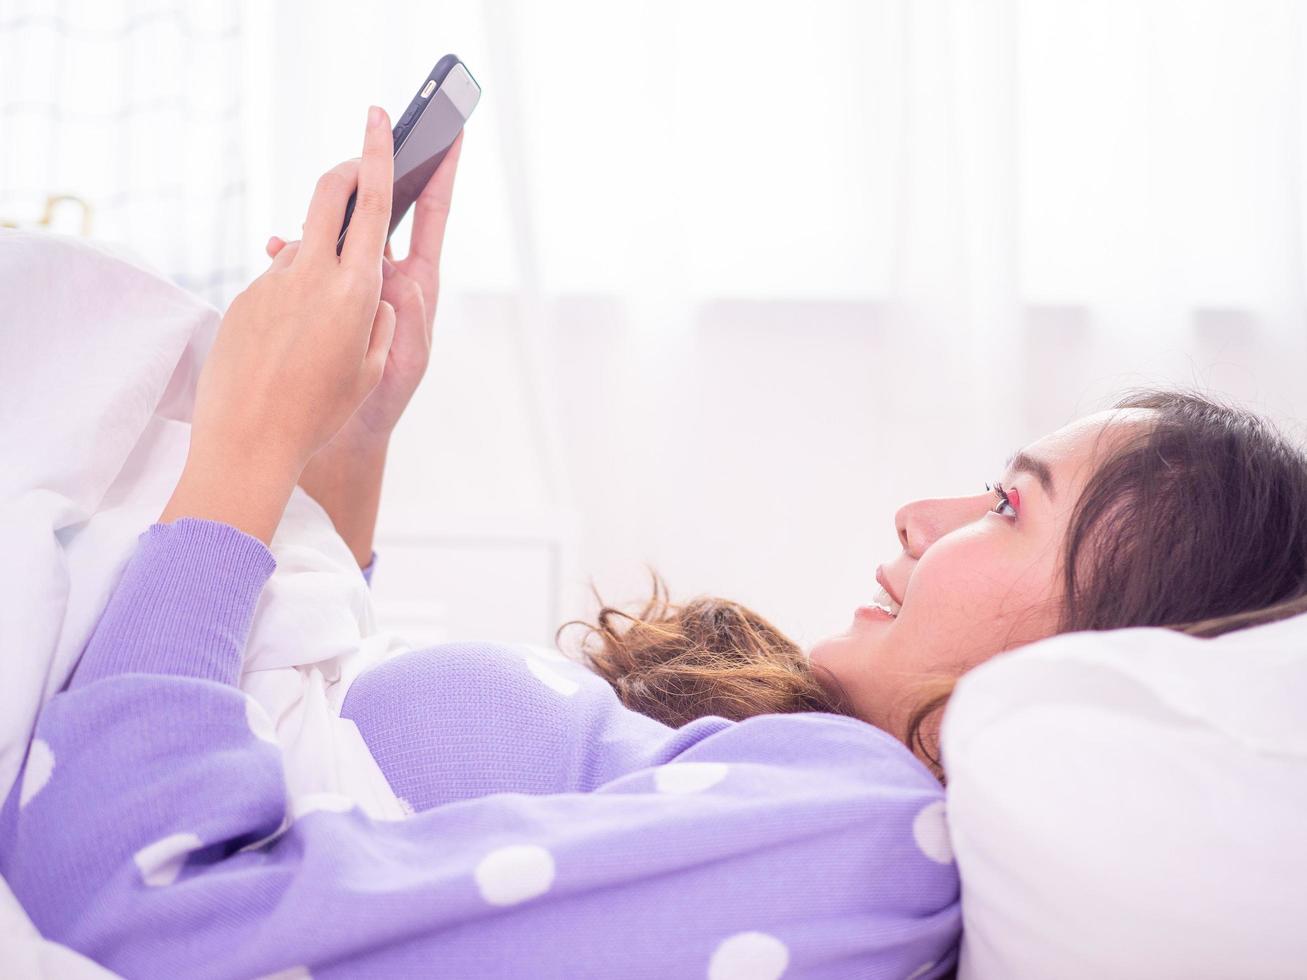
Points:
(1133, 803)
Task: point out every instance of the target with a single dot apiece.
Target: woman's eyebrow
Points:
(1022, 460)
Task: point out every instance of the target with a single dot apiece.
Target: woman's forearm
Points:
(298, 351)
(345, 478)
(245, 484)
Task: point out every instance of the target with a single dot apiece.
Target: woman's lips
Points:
(872, 612)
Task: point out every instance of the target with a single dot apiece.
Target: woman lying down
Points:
(706, 800)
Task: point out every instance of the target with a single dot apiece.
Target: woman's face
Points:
(977, 575)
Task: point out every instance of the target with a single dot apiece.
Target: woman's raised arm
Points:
(297, 353)
(345, 475)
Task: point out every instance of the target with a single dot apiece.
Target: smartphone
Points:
(423, 135)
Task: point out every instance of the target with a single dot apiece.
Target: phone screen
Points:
(419, 156)
(423, 143)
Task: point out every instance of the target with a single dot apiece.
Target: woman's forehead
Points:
(1074, 451)
(1091, 435)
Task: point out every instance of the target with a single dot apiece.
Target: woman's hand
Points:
(297, 353)
(345, 476)
(412, 286)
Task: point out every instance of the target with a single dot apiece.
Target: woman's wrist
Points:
(237, 485)
(357, 441)
(345, 479)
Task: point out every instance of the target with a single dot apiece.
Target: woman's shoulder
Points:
(483, 657)
(838, 748)
(461, 671)
(531, 686)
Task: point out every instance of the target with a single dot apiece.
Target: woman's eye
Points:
(1004, 500)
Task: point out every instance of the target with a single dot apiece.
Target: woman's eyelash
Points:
(1003, 500)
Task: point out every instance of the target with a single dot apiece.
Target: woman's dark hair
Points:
(1197, 523)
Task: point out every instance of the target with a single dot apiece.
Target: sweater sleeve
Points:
(150, 830)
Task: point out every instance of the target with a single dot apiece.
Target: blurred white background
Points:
(725, 283)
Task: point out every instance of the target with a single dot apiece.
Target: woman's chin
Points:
(845, 666)
(836, 650)
(866, 620)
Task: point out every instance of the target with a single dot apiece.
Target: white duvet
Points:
(98, 361)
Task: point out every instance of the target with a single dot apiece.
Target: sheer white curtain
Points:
(728, 282)
(904, 238)
(135, 108)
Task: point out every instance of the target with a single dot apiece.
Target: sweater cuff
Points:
(183, 606)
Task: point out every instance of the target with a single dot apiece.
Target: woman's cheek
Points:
(942, 635)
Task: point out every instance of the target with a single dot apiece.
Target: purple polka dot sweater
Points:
(555, 834)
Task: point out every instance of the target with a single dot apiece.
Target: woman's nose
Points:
(923, 522)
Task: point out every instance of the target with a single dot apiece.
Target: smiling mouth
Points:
(885, 602)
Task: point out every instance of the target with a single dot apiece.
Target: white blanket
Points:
(98, 361)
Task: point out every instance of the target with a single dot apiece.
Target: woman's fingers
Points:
(402, 292)
(327, 210)
(383, 333)
(431, 211)
(370, 223)
(281, 251)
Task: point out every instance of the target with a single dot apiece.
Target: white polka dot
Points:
(264, 842)
(513, 874)
(292, 973)
(688, 777)
(312, 802)
(748, 956)
(930, 828)
(545, 653)
(259, 722)
(162, 861)
(921, 971)
(40, 766)
(552, 678)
